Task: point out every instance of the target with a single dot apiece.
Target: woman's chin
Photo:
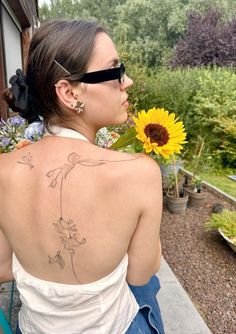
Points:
(123, 118)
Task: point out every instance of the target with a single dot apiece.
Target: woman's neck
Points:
(82, 129)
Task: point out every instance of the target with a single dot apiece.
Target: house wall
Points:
(3, 109)
(18, 20)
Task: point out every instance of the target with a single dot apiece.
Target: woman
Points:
(82, 221)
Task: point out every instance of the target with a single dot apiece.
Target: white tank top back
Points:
(103, 307)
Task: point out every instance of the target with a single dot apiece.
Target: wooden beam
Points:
(20, 13)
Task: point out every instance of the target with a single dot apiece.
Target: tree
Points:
(104, 11)
(208, 41)
(227, 7)
(146, 31)
(59, 9)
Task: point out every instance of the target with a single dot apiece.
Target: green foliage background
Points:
(148, 29)
(146, 32)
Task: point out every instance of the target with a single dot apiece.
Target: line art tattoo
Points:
(57, 259)
(27, 160)
(68, 229)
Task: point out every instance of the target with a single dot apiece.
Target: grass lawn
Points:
(222, 182)
(218, 178)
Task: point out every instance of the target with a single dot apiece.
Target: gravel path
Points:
(204, 264)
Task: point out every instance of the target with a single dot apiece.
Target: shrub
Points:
(214, 101)
(226, 222)
(208, 41)
(227, 149)
(172, 90)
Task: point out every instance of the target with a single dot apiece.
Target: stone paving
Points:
(178, 312)
(5, 297)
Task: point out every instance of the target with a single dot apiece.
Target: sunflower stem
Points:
(176, 178)
(129, 141)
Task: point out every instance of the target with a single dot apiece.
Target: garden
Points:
(187, 78)
(198, 237)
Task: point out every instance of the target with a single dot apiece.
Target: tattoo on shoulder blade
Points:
(27, 160)
(67, 229)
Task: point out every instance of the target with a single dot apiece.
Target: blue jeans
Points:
(139, 325)
(148, 320)
(18, 331)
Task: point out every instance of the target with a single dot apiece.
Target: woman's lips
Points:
(125, 104)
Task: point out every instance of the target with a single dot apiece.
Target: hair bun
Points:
(19, 90)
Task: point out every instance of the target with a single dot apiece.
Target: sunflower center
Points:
(157, 134)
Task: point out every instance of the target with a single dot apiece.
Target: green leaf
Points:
(125, 139)
(226, 221)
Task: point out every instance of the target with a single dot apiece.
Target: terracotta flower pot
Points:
(177, 204)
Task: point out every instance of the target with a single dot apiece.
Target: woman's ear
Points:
(67, 94)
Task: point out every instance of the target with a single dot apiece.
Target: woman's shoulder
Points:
(5, 168)
(10, 162)
(135, 165)
(142, 161)
(5, 160)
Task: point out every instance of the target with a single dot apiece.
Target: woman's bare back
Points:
(70, 208)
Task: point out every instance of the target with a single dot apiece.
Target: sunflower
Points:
(160, 132)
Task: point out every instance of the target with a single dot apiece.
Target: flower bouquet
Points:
(105, 138)
(16, 133)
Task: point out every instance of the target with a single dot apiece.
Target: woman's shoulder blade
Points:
(138, 166)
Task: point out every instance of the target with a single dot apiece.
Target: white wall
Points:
(12, 45)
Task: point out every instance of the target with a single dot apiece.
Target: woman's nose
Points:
(128, 82)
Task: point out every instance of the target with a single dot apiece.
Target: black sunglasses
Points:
(105, 75)
(101, 76)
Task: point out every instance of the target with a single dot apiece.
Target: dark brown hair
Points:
(70, 43)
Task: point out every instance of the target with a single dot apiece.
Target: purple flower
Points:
(16, 121)
(34, 131)
(5, 141)
(2, 123)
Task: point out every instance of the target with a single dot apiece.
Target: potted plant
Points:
(193, 184)
(225, 223)
(168, 166)
(176, 197)
(195, 193)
